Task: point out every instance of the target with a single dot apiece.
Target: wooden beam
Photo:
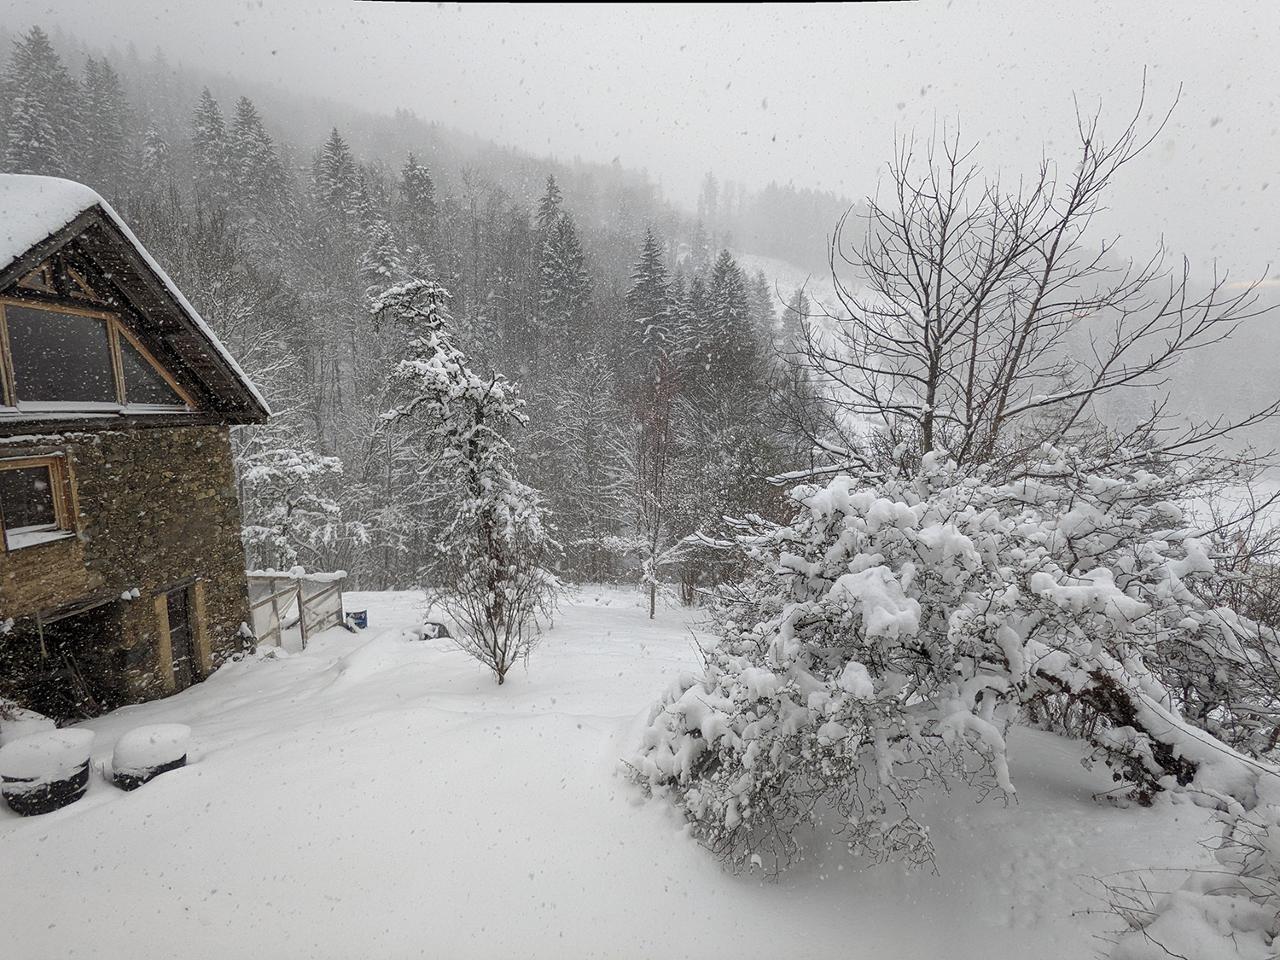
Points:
(164, 647)
(200, 628)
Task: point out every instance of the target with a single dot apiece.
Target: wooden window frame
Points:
(116, 331)
(65, 510)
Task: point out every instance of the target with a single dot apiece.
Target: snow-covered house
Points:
(121, 568)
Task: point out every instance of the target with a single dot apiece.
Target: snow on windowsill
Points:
(31, 537)
(137, 408)
(71, 409)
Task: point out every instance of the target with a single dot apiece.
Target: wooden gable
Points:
(166, 365)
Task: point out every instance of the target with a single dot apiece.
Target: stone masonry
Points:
(156, 510)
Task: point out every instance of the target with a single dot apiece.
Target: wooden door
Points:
(181, 640)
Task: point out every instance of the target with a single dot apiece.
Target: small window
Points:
(143, 383)
(78, 287)
(59, 357)
(38, 279)
(33, 507)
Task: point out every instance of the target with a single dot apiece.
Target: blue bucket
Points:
(359, 618)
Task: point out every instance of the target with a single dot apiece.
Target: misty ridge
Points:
(890, 569)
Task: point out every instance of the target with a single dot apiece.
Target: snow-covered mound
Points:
(376, 797)
(16, 723)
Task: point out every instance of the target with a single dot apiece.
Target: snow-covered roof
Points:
(34, 208)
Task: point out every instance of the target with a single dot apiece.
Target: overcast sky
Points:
(810, 94)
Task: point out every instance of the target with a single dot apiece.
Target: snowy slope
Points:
(375, 797)
(785, 278)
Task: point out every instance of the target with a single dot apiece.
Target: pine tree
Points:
(650, 308)
(157, 164)
(564, 291)
(338, 180)
(725, 353)
(256, 173)
(106, 123)
(381, 263)
(699, 248)
(42, 131)
(648, 440)
(760, 297)
(211, 149)
(417, 212)
(549, 205)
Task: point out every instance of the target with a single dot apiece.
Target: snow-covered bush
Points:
(288, 487)
(888, 635)
(492, 577)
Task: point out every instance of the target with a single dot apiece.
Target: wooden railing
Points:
(287, 607)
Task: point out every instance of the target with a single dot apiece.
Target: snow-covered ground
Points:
(380, 797)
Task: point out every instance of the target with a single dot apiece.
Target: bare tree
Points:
(988, 321)
(645, 449)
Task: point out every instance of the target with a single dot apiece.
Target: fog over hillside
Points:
(812, 103)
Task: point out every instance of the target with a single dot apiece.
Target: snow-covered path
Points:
(376, 797)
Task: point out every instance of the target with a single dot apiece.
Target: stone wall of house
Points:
(156, 510)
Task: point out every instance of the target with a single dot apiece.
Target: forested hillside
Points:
(645, 354)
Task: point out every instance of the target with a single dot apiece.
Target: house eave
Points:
(46, 424)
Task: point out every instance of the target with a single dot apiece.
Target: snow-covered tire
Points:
(46, 771)
(144, 753)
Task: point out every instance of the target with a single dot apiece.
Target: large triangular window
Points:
(143, 383)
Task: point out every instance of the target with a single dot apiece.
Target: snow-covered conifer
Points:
(42, 132)
(418, 211)
(210, 148)
(549, 205)
(256, 171)
(564, 291)
(106, 120)
(649, 307)
(337, 178)
(381, 263)
(157, 164)
(760, 302)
